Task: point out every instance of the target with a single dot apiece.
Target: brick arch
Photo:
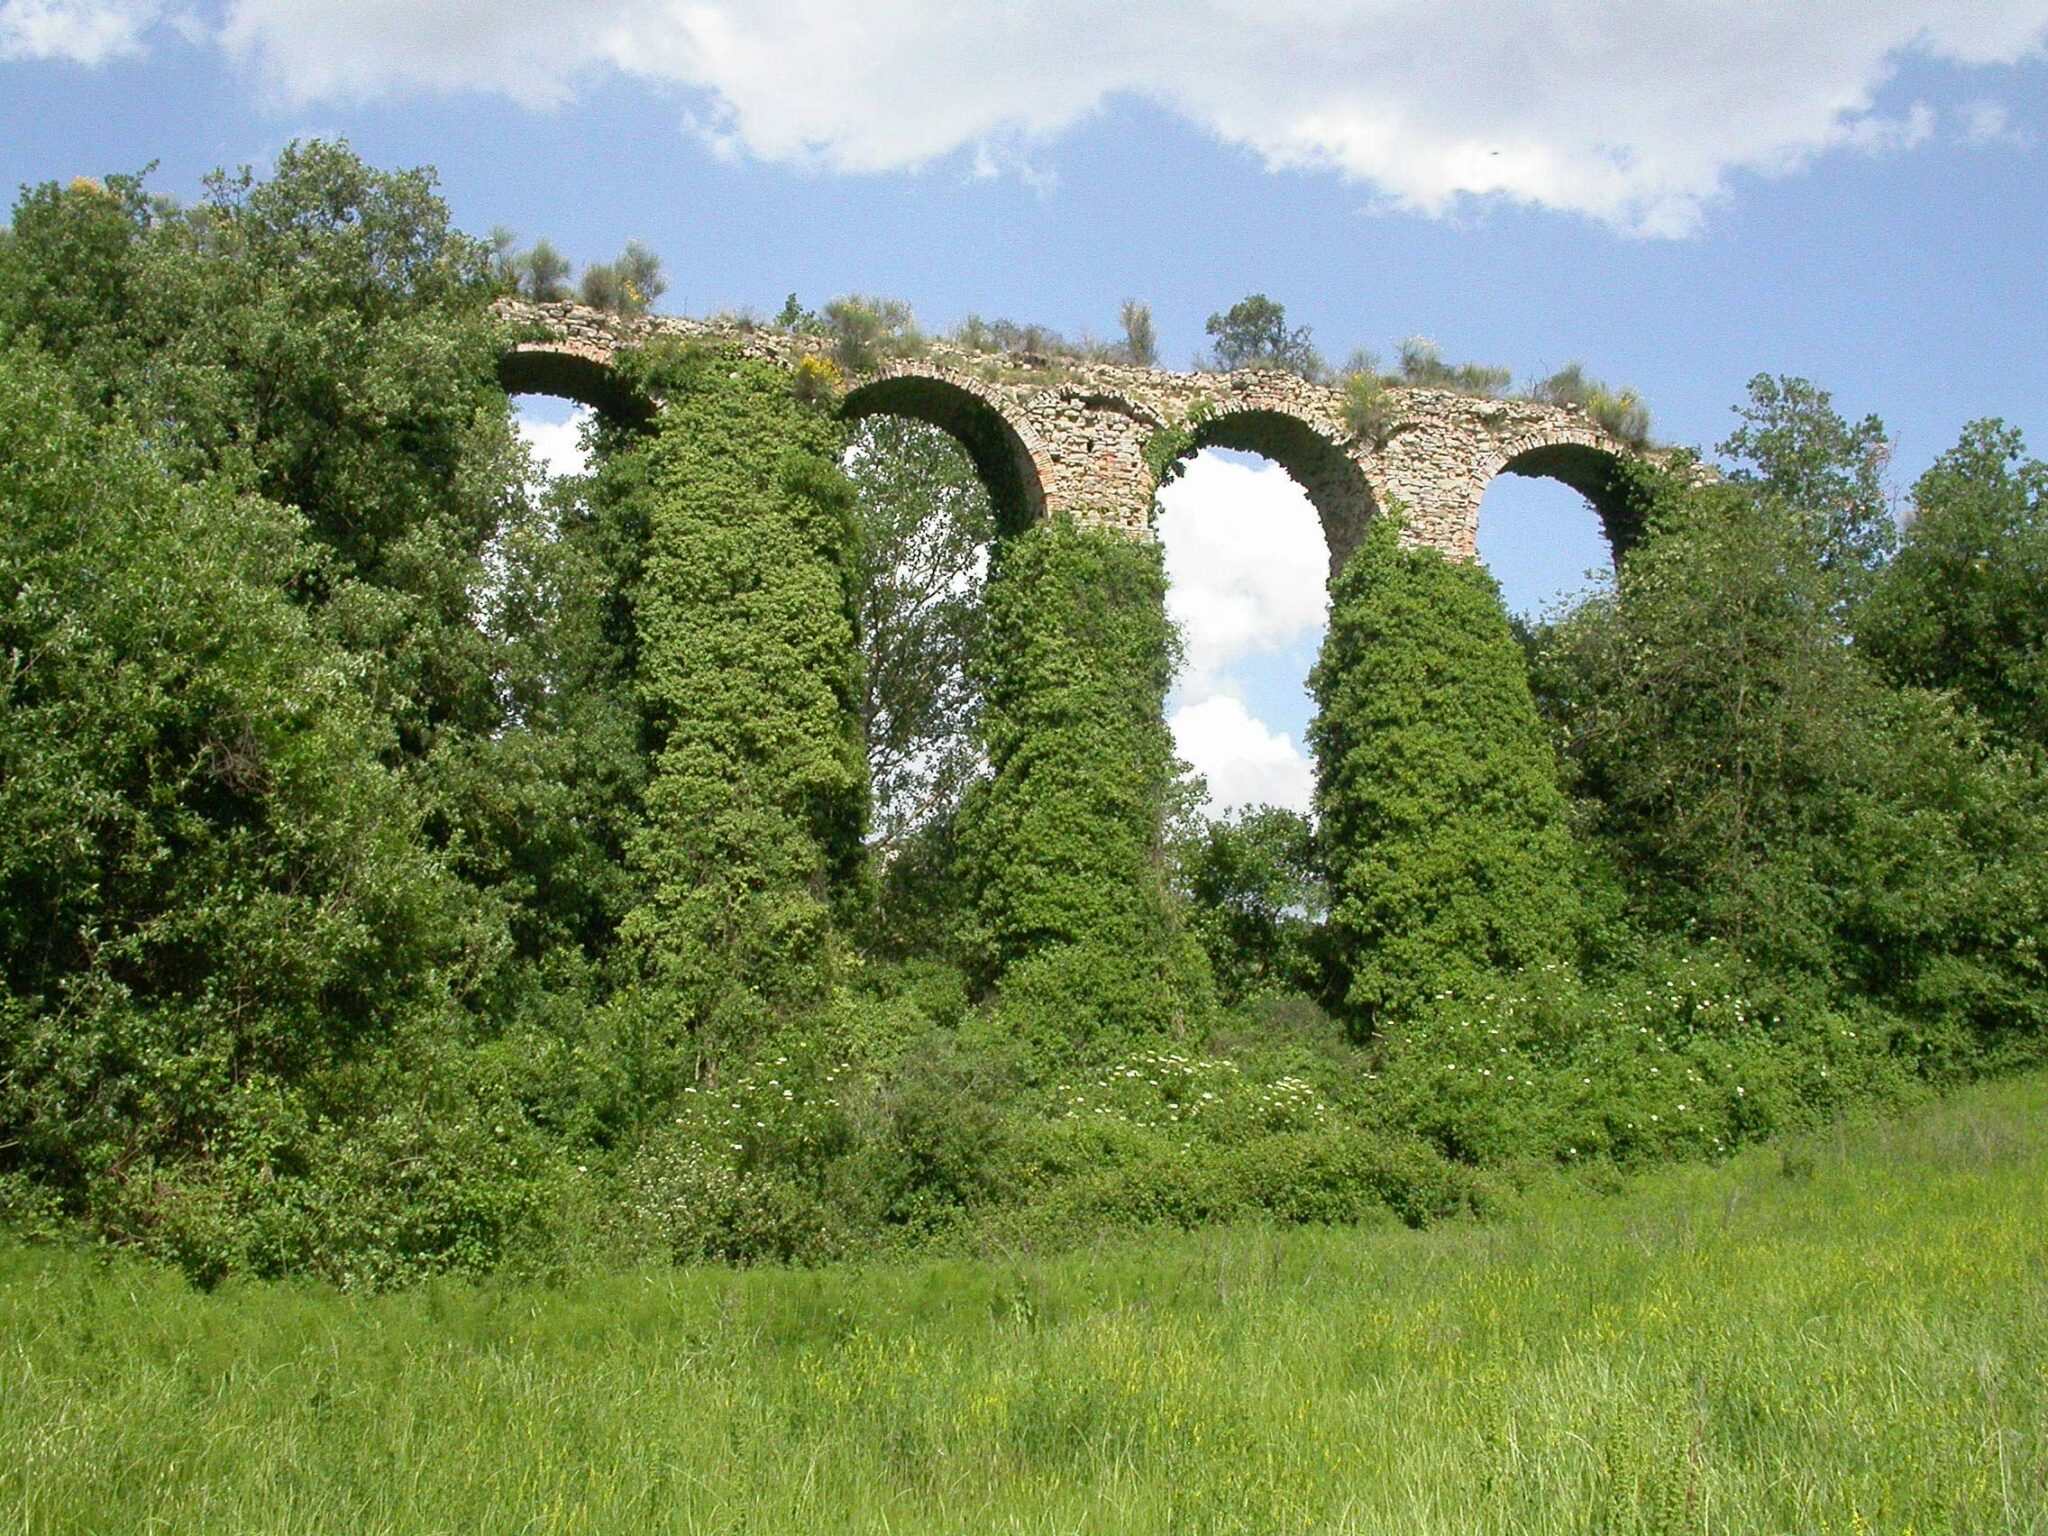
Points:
(571, 372)
(1312, 454)
(1006, 452)
(1585, 458)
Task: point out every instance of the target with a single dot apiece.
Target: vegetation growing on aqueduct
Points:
(408, 872)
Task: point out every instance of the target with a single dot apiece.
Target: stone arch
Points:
(570, 372)
(1336, 484)
(1591, 464)
(1006, 454)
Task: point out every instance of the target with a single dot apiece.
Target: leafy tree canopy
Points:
(1964, 603)
(1794, 446)
(1253, 333)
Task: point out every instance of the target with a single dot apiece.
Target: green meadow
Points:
(1847, 1333)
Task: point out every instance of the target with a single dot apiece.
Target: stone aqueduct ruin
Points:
(1061, 437)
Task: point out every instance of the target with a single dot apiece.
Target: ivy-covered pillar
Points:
(1444, 832)
(749, 679)
(1063, 843)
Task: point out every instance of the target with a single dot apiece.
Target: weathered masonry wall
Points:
(1052, 435)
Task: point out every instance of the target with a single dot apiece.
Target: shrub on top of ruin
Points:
(979, 335)
(628, 286)
(865, 331)
(1619, 412)
(1141, 342)
(817, 380)
(541, 274)
(1423, 367)
(1253, 333)
(1369, 409)
(796, 320)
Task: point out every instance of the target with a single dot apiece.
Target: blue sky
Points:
(1679, 196)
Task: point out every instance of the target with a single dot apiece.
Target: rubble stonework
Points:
(1069, 437)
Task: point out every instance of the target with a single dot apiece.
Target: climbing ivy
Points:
(1063, 841)
(1168, 448)
(749, 679)
(1441, 820)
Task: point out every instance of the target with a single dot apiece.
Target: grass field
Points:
(1849, 1334)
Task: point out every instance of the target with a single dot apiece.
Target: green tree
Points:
(1702, 706)
(1794, 446)
(1759, 784)
(1253, 333)
(1256, 900)
(541, 810)
(926, 524)
(1964, 604)
(212, 890)
(320, 338)
(1442, 825)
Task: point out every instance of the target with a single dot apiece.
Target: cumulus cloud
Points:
(1245, 761)
(1246, 561)
(82, 31)
(1246, 564)
(557, 445)
(1635, 112)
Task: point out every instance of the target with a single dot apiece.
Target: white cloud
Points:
(1246, 564)
(1635, 112)
(1245, 762)
(557, 445)
(1990, 122)
(1246, 567)
(83, 31)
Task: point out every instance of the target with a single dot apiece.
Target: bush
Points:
(1423, 366)
(1619, 412)
(750, 1168)
(1369, 407)
(817, 381)
(866, 332)
(1691, 1055)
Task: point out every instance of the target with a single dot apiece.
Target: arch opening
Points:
(927, 523)
(1001, 458)
(555, 430)
(534, 368)
(1335, 487)
(1247, 561)
(1543, 543)
(1596, 475)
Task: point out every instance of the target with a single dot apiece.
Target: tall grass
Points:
(1849, 1334)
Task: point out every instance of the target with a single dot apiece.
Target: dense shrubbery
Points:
(1440, 820)
(407, 872)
